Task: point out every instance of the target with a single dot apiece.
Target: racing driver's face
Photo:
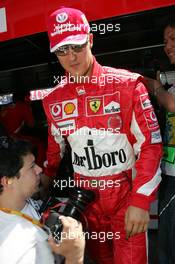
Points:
(77, 59)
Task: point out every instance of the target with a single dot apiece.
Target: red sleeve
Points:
(147, 148)
(55, 150)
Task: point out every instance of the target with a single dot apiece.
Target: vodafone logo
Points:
(153, 116)
(151, 119)
(56, 111)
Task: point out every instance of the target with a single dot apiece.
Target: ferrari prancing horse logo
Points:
(94, 105)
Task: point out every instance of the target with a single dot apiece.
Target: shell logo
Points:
(69, 108)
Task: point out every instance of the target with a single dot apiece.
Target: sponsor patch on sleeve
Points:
(145, 101)
(151, 119)
(156, 137)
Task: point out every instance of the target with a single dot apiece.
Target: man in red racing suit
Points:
(114, 136)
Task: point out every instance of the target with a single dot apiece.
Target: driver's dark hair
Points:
(11, 157)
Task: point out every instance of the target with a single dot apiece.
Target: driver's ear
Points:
(91, 39)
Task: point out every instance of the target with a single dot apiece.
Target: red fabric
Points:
(105, 219)
(67, 26)
(120, 103)
(133, 97)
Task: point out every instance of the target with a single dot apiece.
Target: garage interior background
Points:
(27, 64)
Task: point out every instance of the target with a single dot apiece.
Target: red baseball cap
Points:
(67, 26)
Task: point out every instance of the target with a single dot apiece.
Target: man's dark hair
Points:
(169, 22)
(11, 157)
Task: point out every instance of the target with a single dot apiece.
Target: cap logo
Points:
(62, 17)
